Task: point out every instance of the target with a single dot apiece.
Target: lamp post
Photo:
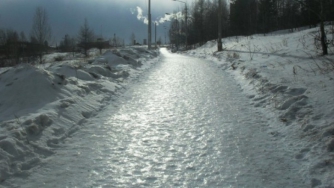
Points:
(186, 18)
(219, 42)
(166, 29)
(149, 24)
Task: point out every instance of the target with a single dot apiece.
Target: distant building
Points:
(145, 42)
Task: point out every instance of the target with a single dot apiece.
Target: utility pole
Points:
(155, 36)
(186, 26)
(219, 42)
(149, 24)
(165, 34)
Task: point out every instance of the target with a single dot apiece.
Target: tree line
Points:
(247, 17)
(16, 47)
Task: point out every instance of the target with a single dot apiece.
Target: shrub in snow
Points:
(64, 104)
(252, 73)
(236, 55)
(59, 58)
(234, 66)
(126, 57)
(43, 120)
(125, 74)
(252, 49)
(62, 79)
(285, 42)
(38, 124)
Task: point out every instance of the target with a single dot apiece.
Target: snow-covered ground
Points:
(283, 73)
(42, 105)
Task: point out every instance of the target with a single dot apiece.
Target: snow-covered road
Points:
(186, 123)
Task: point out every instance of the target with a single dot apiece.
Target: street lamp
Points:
(186, 18)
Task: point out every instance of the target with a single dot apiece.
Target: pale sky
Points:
(104, 16)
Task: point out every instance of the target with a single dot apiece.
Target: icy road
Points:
(185, 123)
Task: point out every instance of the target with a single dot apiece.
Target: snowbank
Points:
(40, 106)
(283, 73)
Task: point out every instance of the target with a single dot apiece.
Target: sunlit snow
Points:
(258, 114)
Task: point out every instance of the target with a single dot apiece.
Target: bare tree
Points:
(10, 40)
(23, 37)
(322, 31)
(67, 44)
(321, 17)
(86, 36)
(3, 37)
(41, 31)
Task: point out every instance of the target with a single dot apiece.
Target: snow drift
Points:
(40, 106)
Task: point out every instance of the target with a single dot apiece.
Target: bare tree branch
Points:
(41, 29)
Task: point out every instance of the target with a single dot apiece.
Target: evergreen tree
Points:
(86, 36)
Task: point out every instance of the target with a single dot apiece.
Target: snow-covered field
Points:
(42, 105)
(283, 73)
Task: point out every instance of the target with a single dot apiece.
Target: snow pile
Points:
(20, 84)
(40, 106)
(285, 75)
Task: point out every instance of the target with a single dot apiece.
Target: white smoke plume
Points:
(140, 16)
(169, 17)
(166, 18)
(158, 21)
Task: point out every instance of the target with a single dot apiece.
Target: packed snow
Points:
(41, 105)
(282, 74)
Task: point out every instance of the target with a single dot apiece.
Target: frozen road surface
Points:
(185, 123)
